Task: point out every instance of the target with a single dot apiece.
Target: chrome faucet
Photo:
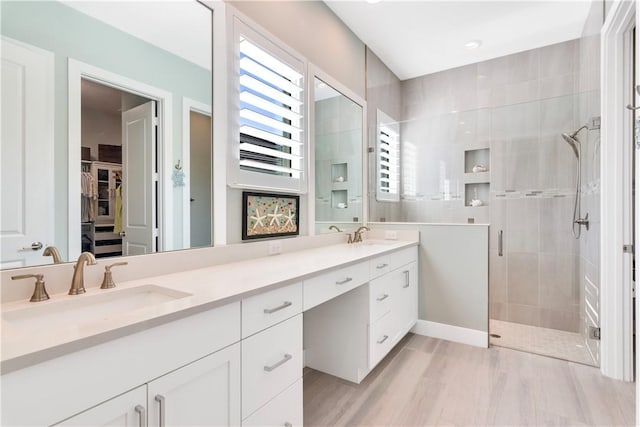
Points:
(52, 251)
(333, 227)
(357, 235)
(77, 282)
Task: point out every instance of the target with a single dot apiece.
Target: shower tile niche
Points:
(476, 191)
(477, 158)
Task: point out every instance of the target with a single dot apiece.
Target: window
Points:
(388, 159)
(270, 138)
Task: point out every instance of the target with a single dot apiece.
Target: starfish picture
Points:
(275, 216)
(290, 218)
(258, 218)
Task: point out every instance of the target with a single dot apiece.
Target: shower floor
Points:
(547, 342)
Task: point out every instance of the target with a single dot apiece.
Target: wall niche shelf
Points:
(339, 199)
(339, 172)
(477, 191)
(477, 157)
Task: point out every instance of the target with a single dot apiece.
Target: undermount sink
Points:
(82, 309)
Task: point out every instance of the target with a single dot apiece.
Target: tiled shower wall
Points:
(517, 106)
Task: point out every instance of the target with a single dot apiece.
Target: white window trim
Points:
(238, 24)
(384, 119)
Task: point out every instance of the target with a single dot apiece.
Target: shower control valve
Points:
(583, 221)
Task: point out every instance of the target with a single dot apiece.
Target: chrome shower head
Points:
(573, 142)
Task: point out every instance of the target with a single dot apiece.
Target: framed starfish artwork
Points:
(269, 215)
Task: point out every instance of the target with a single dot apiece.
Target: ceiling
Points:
(414, 38)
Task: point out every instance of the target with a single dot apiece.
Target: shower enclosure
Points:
(484, 143)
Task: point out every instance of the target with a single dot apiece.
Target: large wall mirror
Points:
(338, 141)
(106, 128)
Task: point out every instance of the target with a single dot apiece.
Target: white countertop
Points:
(209, 287)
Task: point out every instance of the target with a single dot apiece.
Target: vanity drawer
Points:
(271, 362)
(381, 296)
(383, 334)
(285, 409)
(388, 262)
(264, 310)
(329, 285)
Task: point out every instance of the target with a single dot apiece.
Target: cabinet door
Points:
(126, 410)
(407, 297)
(203, 393)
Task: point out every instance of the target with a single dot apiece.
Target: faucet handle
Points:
(107, 281)
(39, 292)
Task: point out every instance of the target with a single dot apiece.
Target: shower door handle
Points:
(500, 243)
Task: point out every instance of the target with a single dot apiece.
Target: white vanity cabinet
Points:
(393, 301)
(193, 362)
(240, 363)
(349, 335)
(126, 410)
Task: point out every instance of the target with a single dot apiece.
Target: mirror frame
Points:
(313, 72)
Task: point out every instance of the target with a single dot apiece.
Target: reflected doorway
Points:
(200, 179)
(119, 181)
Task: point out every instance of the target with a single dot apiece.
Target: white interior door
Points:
(140, 180)
(26, 154)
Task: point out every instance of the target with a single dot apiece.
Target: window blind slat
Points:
(267, 136)
(253, 51)
(267, 166)
(248, 65)
(257, 86)
(267, 151)
(272, 123)
(270, 107)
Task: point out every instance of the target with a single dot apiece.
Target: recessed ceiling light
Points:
(373, 1)
(473, 44)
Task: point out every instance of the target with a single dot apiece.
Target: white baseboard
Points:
(451, 333)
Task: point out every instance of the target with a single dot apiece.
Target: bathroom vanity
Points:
(221, 345)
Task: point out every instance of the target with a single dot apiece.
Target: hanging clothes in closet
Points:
(89, 192)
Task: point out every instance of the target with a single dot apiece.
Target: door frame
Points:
(77, 71)
(189, 105)
(616, 310)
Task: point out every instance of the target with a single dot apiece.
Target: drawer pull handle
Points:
(278, 308)
(142, 414)
(383, 297)
(406, 279)
(343, 281)
(379, 266)
(288, 424)
(160, 399)
(384, 338)
(286, 358)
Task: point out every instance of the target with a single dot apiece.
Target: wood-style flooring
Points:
(427, 382)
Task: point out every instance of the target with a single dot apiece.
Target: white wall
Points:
(99, 128)
(454, 273)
